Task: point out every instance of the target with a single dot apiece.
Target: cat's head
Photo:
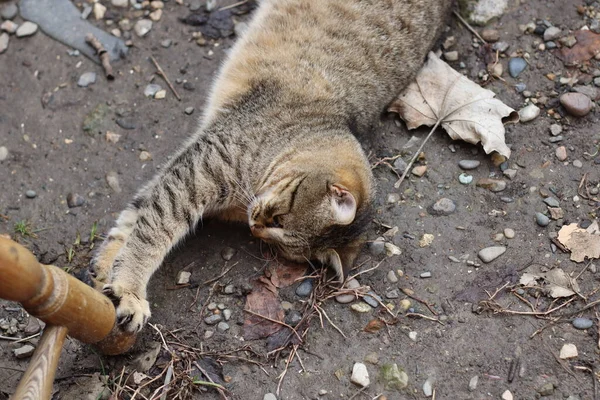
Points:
(312, 216)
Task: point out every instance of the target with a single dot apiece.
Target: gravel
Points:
(222, 327)
(213, 319)
(142, 27)
(541, 219)
(489, 254)
(3, 42)
(392, 277)
(551, 202)
(552, 33)
(151, 89)
(561, 153)
(465, 179)
(516, 65)
(509, 233)
(24, 351)
(443, 206)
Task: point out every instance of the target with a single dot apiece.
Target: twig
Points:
(426, 304)
(161, 337)
(419, 315)
(239, 3)
(102, 54)
(287, 365)
(331, 322)
(357, 393)
(17, 340)
(466, 24)
(164, 76)
(220, 276)
(275, 322)
(167, 382)
(211, 383)
(413, 159)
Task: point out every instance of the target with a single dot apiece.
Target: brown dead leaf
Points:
(587, 46)
(581, 242)
(264, 301)
(374, 325)
(556, 283)
(465, 110)
(285, 273)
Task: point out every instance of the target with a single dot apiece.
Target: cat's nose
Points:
(257, 229)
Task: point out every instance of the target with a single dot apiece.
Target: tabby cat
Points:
(276, 146)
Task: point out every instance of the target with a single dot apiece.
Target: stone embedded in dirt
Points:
(392, 294)
(428, 387)
(361, 307)
(26, 29)
(490, 35)
(443, 206)
(155, 15)
(551, 202)
(305, 288)
(161, 94)
(208, 334)
(183, 277)
(493, 185)
(590, 91)
(9, 27)
(412, 335)
(465, 179)
(189, 110)
(293, 318)
(425, 275)
(31, 194)
(34, 325)
(489, 254)
(583, 323)
(556, 213)
(269, 396)
(469, 164)
(393, 198)
(507, 395)
(222, 327)
(75, 200)
(99, 11)
(561, 153)
(552, 33)
(451, 55)
(392, 377)
(345, 298)
(576, 104)
(227, 254)
(529, 113)
(3, 42)
(556, 139)
(9, 11)
(211, 306)
(151, 89)
(400, 165)
(213, 319)
(510, 173)
(226, 314)
(86, 79)
(449, 42)
(392, 277)
(372, 299)
(392, 250)
(112, 137)
(486, 10)
(229, 289)
(142, 27)
(541, 219)
(547, 389)
(113, 181)
(120, 3)
(516, 65)
(360, 375)
(404, 305)
(473, 383)
(24, 351)
(166, 43)
(509, 233)
(419, 170)
(145, 156)
(555, 129)
(126, 123)
(577, 164)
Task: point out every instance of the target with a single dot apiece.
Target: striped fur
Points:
(276, 147)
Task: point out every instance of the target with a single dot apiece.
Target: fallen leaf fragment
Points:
(374, 325)
(556, 283)
(263, 301)
(465, 110)
(587, 46)
(285, 273)
(581, 242)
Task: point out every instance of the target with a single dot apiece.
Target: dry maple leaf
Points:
(581, 242)
(441, 95)
(555, 282)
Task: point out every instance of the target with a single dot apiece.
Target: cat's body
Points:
(276, 147)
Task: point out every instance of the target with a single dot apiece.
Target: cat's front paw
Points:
(132, 309)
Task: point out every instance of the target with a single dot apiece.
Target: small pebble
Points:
(26, 29)
(392, 294)
(145, 156)
(556, 139)
(551, 202)
(489, 254)
(31, 194)
(166, 43)
(419, 170)
(576, 104)
(286, 305)
(520, 87)
(541, 219)
(229, 289)
(75, 200)
(211, 306)
(577, 164)
(183, 277)
(227, 253)
(555, 129)
(222, 327)
(469, 164)
(371, 299)
(392, 277)
(151, 90)
(99, 11)
(213, 319)
(568, 350)
(529, 113)
(142, 27)
(444, 206)
(451, 56)
(507, 395)
(113, 181)
(473, 383)
(3, 153)
(305, 288)
(189, 110)
(509, 233)
(425, 275)
(360, 375)
(9, 11)
(404, 305)
(269, 396)
(161, 94)
(413, 336)
(293, 318)
(208, 334)
(583, 323)
(86, 79)
(465, 179)
(510, 173)
(561, 153)
(493, 185)
(490, 35)
(361, 307)
(551, 33)
(377, 247)
(126, 123)
(516, 65)
(428, 387)
(24, 351)
(3, 42)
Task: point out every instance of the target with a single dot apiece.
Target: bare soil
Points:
(51, 154)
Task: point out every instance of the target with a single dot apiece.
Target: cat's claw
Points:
(133, 311)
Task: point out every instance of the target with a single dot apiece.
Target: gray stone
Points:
(86, 79)
(509, 233)
(113, 181)
(400, 165)
(486, 10)
(269, 396)
(552, 33)
(529, 113)
(371, 299)
(465, 179)
(227, 253)
(516, 65)
(293, 318)
(305, 288)
(583, 323)
(425, 275)
(547, 389)
(4, 42)
(577, 164)
(183, 277)
(501, 47)
(213, 319)
(377, 247)
(3, 153)
(189, 110)
(126, 123)
(31, 194)
(392, 294)
(541, 219)
(151, 89)
(166, 43)
(451, 55)
(142, 27)
(556, 139)
(391, 275)
(520, 87)
(551, 202)
(428, 387)
(555, 129)
(26, 29)
(489, 254)
(24, 351)
(75, 200)
(469, 164)
(360, 375)
(119, 3)
(226, 314)
(510, 173)
(443, 206)
(229, 289)
(9, 11)
(345, 298)
(473, 383)
(222, 327)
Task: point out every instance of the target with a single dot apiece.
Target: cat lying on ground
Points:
(276, 146)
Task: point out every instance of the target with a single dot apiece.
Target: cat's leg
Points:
(159, 217)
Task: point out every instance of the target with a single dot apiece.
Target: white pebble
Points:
(360, 375)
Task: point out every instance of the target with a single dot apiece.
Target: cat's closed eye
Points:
(277, 222)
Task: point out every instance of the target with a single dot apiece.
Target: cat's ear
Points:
(343, 205)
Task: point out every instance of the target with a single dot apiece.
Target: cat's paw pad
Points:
(133, 311)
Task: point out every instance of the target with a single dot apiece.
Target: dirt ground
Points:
(51, 154)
